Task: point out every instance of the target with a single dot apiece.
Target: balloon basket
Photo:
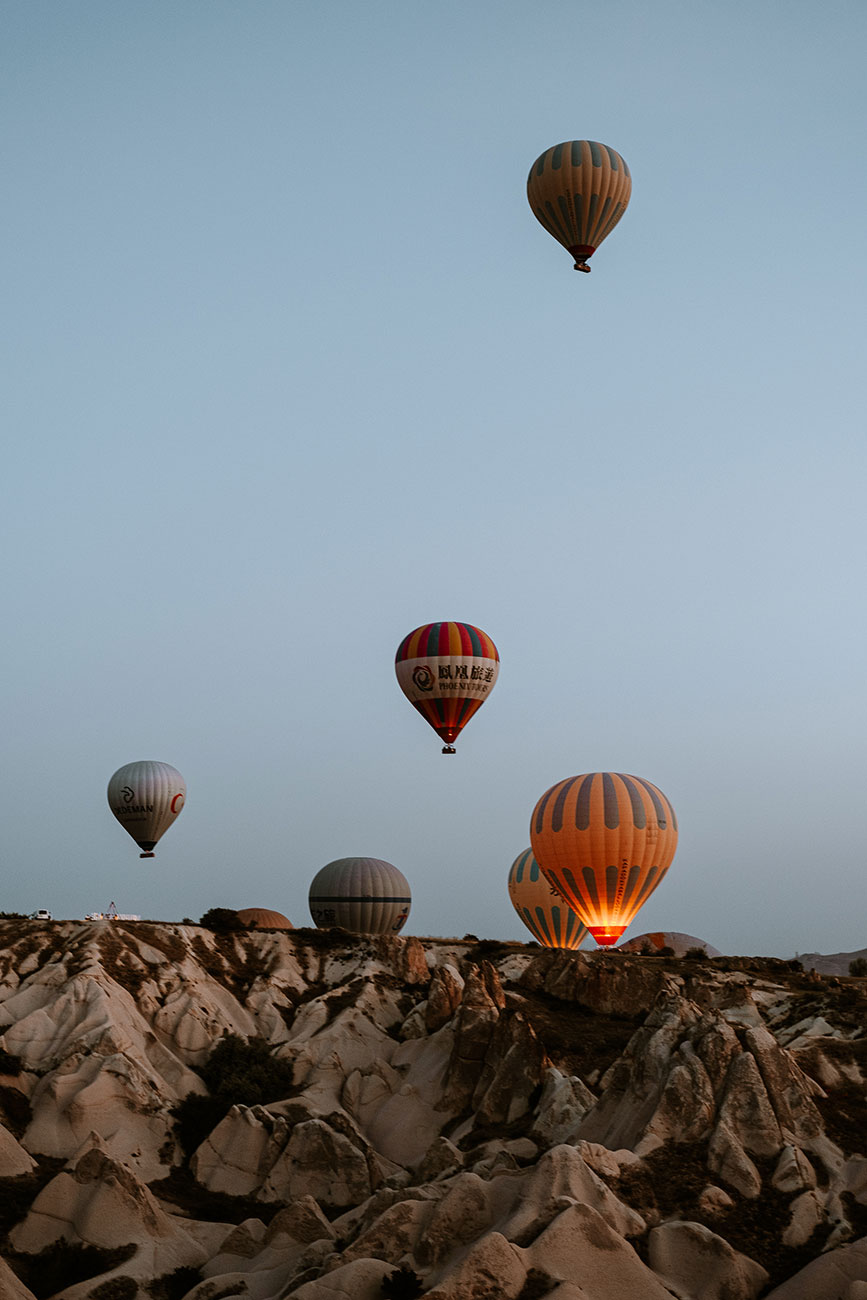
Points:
(606, 935)
(449, 749)
(147, 855)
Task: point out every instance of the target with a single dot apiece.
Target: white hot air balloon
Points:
(363, 895)
(146, 797)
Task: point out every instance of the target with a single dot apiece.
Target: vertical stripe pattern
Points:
(579, 191)
(362, 895)
(542, 910)
(447, 671)
(146, 797)
(604, 840)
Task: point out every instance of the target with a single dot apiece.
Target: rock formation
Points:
(301, 1115)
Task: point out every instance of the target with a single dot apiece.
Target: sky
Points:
(289, 369)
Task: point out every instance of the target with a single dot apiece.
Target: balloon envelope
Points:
(146, 797)
(579, 190)
(679, 943)
(447, 671)
(541, 909)
(604, 840)
(262, 918)
(364, 895)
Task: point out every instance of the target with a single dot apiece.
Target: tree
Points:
(221, 920)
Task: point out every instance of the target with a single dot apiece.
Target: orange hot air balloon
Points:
(447, 671)
(604, 840)
(543, 912)
(579, 191)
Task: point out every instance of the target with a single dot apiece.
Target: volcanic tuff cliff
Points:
(497, 1120)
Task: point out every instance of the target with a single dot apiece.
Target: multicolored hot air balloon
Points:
(146, 797)
(447, 671)
(604, 841)
(364, 895)
(541, 909)
(579, 191)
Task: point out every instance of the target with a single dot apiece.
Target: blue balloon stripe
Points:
(560, 804)
(542, 923)
(610, 802)
(582, 804)
(657, 802)
(639, 815)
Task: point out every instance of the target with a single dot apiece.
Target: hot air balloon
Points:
(604, 841)
(447, 671)
(679, 943)
(146, 797)
(541, 909)
(364, 895)
(579, 191)
(263, 918)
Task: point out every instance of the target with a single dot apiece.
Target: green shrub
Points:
(195, 1117)
(402, 1284)
(9, 1064)
(64, 1263)
(537, 1285)
(116, 1288)
(858, 967)
(222, 920)
(696, 954)
(237, 1073)
(665, 952)
(174, 1286)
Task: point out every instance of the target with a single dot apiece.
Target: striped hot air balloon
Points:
(363, 895)
(146, 797)
(579, 190)
(541, 909)
(604, 840)
(447, 671)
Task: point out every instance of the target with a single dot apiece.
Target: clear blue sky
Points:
(290, 368)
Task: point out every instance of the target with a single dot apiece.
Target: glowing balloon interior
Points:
(363, 895)
(447, 671)
(604, 840)
(579, 190)
(542, 910)
(146, 797)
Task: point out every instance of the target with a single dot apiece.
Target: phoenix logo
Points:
(128, 794)
(423, 678)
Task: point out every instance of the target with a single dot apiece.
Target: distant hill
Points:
(836, 963)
